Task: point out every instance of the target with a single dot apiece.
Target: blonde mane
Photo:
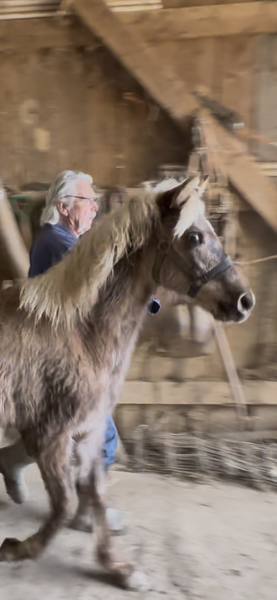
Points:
(70, 289)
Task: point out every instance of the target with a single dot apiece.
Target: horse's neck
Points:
(116, 319)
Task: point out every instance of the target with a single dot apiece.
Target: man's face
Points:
(81, 213)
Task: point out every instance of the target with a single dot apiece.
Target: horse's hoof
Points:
(124, 572)
(13, 549)
(137, 581)
(129, 578)
(9, 549)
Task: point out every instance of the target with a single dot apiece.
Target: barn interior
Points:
(133, 91)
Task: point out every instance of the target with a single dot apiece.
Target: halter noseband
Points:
(165, 249)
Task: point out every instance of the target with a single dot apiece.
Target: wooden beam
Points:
(11, 239)
(170, 92)
(220, 20)
(138, 57)
(243, 173)
(153, 26)
(162, 83)
(230, 368)
(30, 34)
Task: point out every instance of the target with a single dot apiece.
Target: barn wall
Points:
(66, 108)
(71, 103)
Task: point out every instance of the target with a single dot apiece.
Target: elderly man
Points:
(71, 207)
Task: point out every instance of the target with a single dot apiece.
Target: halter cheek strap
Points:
(165, 250)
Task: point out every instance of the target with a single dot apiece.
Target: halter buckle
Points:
(163, 245)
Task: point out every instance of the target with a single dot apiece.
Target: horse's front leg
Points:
(55, 468)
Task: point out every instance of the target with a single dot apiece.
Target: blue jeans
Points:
(110, 444)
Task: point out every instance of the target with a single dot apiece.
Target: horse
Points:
(67, 338)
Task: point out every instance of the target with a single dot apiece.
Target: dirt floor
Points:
(193, 541)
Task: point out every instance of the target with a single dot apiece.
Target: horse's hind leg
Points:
(82, 520)
(55, 468)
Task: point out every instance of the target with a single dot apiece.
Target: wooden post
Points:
(230, 368)
(12, 240)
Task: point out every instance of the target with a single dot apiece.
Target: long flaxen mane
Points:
(69, 290)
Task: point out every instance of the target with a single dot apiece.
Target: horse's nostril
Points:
(245, 302)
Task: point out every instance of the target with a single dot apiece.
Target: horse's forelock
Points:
(189, 213)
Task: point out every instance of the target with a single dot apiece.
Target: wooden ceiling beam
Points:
(152, 26)
(218, 20)
(165, 86)
(230, 155)
(172, 94)
(162, 84)
(30, 34)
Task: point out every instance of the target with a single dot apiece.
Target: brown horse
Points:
(67, 336)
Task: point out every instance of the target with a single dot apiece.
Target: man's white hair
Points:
(64, 185)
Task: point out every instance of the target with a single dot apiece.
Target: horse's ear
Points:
(176, 197)
(181, 194)
(203, 185)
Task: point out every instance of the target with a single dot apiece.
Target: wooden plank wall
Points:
(265, 117)
(66, 108)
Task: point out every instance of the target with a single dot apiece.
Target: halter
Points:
(166, 250)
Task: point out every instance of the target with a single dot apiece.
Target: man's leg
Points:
(13, 460)
(110, 444)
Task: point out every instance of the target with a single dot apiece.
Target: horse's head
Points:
(190, 259)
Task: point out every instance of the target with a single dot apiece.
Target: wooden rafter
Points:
(231, 157)
(203, 21)
(138, 57)
(44, 33)
(158, 25)
(171, 93)
(11, 239)
(162, 83)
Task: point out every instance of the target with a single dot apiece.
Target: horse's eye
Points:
(194, 239)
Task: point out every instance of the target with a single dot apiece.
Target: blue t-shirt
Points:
(49, 248)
